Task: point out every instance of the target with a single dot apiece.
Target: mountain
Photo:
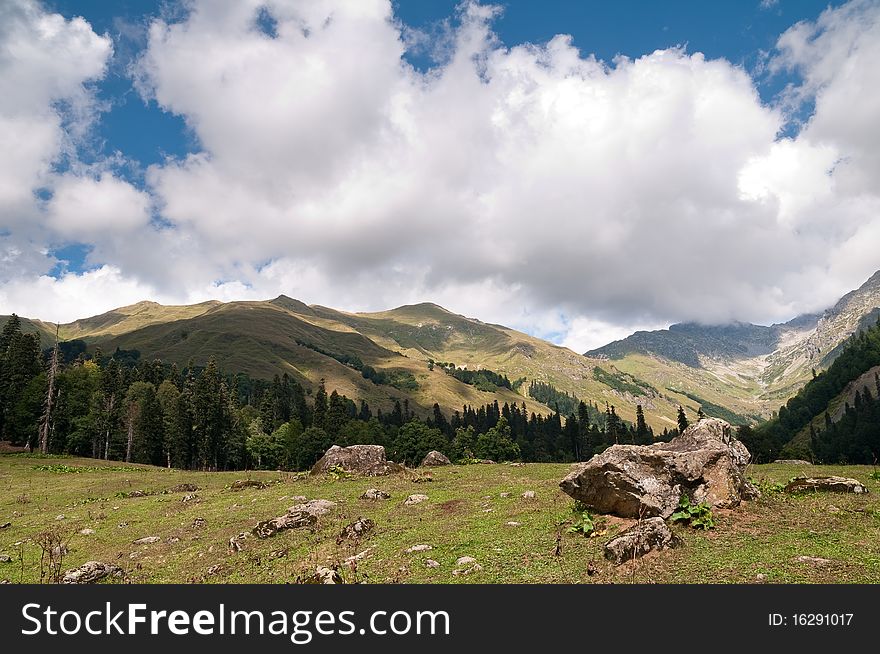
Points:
(749, 369)
(739, 372)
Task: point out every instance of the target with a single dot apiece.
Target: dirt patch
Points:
(452, 506)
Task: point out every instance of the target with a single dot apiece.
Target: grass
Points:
(465, 515)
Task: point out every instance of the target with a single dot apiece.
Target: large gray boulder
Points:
(366, 460)
(641, 481)
(91, 572)
(643, 537)
(435, 458)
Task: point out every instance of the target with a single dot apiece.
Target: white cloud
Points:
(533, 186)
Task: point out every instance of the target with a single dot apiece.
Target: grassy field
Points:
(512, 539)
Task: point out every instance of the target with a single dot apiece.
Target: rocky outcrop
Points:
(641, 481)
(91, 572)
(375, 494)
(646, 536)
(366, 460)
(268, 528)
(825, 484)
(435, 458)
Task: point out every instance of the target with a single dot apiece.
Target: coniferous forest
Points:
(117, 407)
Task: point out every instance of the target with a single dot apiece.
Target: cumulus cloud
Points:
(532, 185)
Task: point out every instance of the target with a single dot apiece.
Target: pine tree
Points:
(682, 420)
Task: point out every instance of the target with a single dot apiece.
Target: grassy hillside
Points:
(465, 515)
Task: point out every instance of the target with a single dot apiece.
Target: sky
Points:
(576, 170)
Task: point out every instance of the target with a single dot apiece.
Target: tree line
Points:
(200, 418)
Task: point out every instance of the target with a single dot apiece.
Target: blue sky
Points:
(233, 169)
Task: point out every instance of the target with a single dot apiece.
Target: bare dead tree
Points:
(46, 420)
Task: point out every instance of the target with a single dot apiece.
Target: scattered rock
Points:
(294, 520)
(324, 575)
(237, 541)
(6, 525)
(815, 560)
(795, 462)
(90, 572)
(422, 478)
(146, 540)
(833, 509)
(60, 517)
(366, 460)
(297, 498)
(465, 560)
(415, 499)
(137, 493)
(485, 461)
(528, 495)
(825, 484)
(5, 558)
(512, 523)
(360, 556)
(183, 488)
(214, 569)
(375, 494)
(435, 458)
(122, 525)
(633, 481)
(431, 563)
(503, 494)
(192, 497)
(87, 531)
(315, 508)
(356, 530)
(476, 567)
(419, 548)
(172, 539)
(279, 554)
(638, 540)
(242, 484)
(199, 523)
(516, 464)
(760, 578)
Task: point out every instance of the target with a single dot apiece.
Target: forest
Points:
(117, 407)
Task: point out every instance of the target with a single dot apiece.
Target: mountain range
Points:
(740, 372)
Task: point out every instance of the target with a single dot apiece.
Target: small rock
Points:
(6, 525)
(760, 578)
(90, 572)
(638, 540)
(419, 548)
(476, 567)
(241, 484)
(279, 554)
(465, 560)
(431, 563)
(172, 539)
(59, 517)
(488, 510)
(513, 524)
(325, 575)
(235, 543)
(146, 540)
(415, 499)
(183, 488)
(214, 569)
(298, 498)
(528, 495)
(122, 525)
(360, 556)
(826, 484)
(199, 523)
(833, 509)
(137, 493)
(5, 558)
(87, 532)
(375, 494)
(517, 464)
(504, 495)
(356, 530)
(797, 462)
(815, 560)
(192, 497)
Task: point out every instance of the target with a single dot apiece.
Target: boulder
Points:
(646, 536)
(825, 484)
(356, 530)
(183, 488)
(90, 572)
(268, 528)
(241, 484)
(641, 481)
(435, 458)
(146, 540)
(416, 498)
(793, 462)
(366, 460)
(315, 508)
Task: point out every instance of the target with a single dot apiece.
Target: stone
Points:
(793, 462)
(87, 531)
(375, 494)
(356, 530)
(323, 575)
(199, 523)
(417, 498)
(6, 525)
(315, 508)
(435, 458)
(814, 560)
(183, 488)
(431, 563)
(513, 523)
(646, 536)
(826, 484)
(214, 569)
(192, 497)
(90, 572)
(360, 556)
(290, 520)
(5, 558)
(242, 484)
(60, 517)
(516, 464)
(368, 460)
(137, 493)
(237, 541)
(298, 498)
(476, 567)
(503, 495)
(528, 495)
(146, 540)
(419, 548)
(634, 481)
(760, 578)
(465, 560)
